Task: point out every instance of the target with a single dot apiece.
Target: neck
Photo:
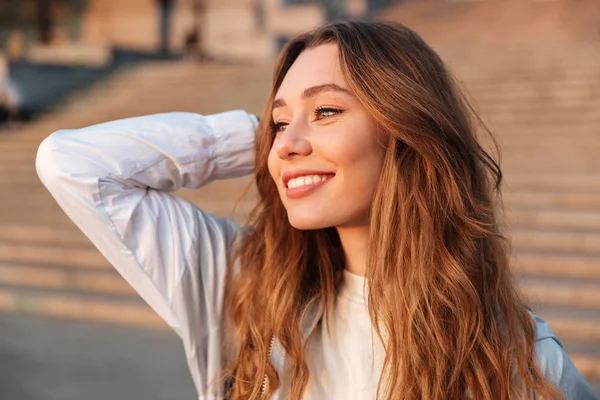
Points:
(354, 241)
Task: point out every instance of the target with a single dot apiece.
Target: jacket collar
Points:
(277, 356)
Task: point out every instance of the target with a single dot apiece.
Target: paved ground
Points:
(48, 359)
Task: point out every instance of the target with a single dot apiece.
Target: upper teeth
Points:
(306, 180)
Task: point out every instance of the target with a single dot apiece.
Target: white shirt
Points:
(344, 365)
(113, 180)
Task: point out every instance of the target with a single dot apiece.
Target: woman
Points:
(368, 170)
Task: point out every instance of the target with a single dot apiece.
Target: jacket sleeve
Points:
(113, 179)
(556, 366)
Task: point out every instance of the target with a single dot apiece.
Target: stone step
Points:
(545, 134)
(538, 104)
(536, 128)
(588, 366)
(476, 64)
(541, 138)
(539, 130)
(583, 243)
(548, 120)
(544, 90)
(29, 214)
(29, 192)
(84, 257)
(107, 281)
(200, 88)
(25, 179)
(552, 182)
(586, 357)
(547, 107)
(552, 200)
(555, 265)
(35, 217)
(79, 306)
(17, 170)
(582, 221)
(553, 292)
(17, 157)
(581, 347)
(178, 87)
(548, 164)
(485, 71)
(44, 235)
(574, 327)
(548, 72)
(182, 74)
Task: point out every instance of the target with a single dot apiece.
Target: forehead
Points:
(313, 67)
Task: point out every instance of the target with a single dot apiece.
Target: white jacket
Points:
(113, 180)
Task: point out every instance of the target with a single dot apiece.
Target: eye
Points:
(278, 127)
(324, 112)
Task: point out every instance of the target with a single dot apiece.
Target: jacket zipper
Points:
(266, 380)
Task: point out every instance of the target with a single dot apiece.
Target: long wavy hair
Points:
(441, 296)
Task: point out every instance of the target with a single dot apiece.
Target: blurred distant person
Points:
(165, 8)
(193, 48)
(9, 96)
(373, 265)
(44, 21)
(191, 44)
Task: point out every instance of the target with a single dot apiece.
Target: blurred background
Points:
(71, 328)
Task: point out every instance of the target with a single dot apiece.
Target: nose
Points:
(292, 142)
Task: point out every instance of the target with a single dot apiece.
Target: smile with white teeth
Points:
(306, 180)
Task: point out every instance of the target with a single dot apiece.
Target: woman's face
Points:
(326, 156)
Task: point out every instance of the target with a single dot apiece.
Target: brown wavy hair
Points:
(440, 293)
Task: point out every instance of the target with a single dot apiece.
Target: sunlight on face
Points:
(326, 156)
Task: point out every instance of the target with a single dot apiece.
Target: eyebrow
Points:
(313, 91)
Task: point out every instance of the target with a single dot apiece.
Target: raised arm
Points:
(112, 180)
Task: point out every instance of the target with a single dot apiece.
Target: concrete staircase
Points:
(46, 265)
(542, 110)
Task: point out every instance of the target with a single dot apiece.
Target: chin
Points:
(305, 223)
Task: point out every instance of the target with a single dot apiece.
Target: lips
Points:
(308, 183)
(289, 175)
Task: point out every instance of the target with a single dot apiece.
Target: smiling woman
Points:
(321, 128)
(372, 266)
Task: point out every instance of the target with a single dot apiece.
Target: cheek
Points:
(363, 162)
(365, 154)
(274, 165)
